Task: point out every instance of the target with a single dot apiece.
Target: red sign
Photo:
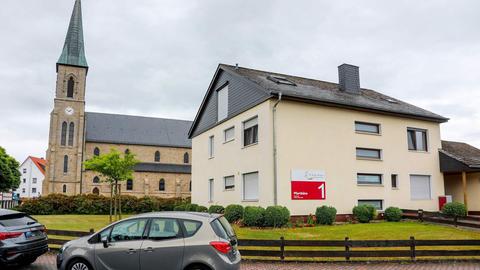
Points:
(308, 190)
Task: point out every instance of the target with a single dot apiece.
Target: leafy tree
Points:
(9, 174)
(114, 168)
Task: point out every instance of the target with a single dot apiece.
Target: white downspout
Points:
(275, 174)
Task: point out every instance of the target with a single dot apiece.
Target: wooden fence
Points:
(438, 217)
(288, 249)
(299, 250)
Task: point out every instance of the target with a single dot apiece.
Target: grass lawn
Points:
(372, 231)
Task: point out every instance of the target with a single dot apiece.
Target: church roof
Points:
(73, 53)
(137, 130)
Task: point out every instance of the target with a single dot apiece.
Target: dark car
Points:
(22, 238)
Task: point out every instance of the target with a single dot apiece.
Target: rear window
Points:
(16, 220)
(222, 228)
(191, 227)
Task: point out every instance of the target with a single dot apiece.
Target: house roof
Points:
(137, 130)
(329, 94)
(462, 152)
(40, 163)
(163, 168)
(73, 52)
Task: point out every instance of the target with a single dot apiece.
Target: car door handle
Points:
(148, 249)
(131, 251)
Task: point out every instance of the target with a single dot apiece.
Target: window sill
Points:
(231, 140)
(395, 188)
(370, 159)
(368, 133)
(231, 189)
(370, 185)
(250, 200)
(418, 151)
(250, 145)
(211, 157)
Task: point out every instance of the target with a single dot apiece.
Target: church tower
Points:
(67, 120)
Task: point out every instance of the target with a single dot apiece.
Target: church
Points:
(161, 145)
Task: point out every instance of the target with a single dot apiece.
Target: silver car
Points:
(164, 240)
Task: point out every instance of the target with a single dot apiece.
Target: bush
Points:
(454, 210)
(364, 213)
(276, 216)
(202, 209)
(254, 216)
(180, 207)
(393, 214)
(326, 215)
(233, 213)
(216, 209)
(191, 207)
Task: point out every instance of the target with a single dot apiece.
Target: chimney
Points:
(349, 78)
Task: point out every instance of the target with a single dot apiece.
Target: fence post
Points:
(420, 215)
(347, 249)
(412, 248)
(282, 248)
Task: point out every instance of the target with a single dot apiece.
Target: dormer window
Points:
(70, 87)
(222, 97)
(281, 80)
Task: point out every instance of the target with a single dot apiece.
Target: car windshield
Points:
(14, 220)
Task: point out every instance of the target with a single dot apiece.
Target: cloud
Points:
(156, 58)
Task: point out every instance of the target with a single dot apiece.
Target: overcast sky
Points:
(156, 58)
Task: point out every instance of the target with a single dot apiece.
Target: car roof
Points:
(183, 215)
(4, 212)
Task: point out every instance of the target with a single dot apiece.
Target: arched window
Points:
(63, 138)
(96, 180)
(190, 188)
(96, 152)
(70, 87)
(127, 151)
(161, 185)
(186, 158)
(71, 131)
(157, 156)
(65, 164)
(96, 191)
(129, 184)
(64, 189)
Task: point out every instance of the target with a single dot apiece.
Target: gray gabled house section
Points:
(250, 87)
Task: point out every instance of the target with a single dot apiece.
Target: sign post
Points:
(308, 185)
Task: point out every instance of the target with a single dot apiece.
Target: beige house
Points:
(263, 138)
(161, 145)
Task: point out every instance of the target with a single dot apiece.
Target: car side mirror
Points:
(104, 240)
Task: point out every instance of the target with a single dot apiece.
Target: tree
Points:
(114, 168)
(9, 173)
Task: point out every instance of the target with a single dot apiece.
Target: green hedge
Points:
(364, 213)
(234, 213)
(393, 214)
(216, 209)
(454, 210)
(326, 215)
(89, 204)
(254, 216)
(276, 216)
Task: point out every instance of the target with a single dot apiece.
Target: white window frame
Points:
(379, 130)
(244, 127)
(430, 187)
(396, 180)
(380, 153)
(382, 203)
(364, 183)
(211, 146)
(416, 131)
(244, 198)
(222, 103)
(225, 139)
(211, 189)
(225, 188)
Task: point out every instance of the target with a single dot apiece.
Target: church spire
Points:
(73, 53)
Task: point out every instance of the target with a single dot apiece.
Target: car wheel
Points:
(198, 267)
(78, 265)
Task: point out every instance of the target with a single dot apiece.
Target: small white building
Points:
(33, 173)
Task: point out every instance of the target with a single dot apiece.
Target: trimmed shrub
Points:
(180, 207)
(393, 214)
(364, 213)
(202, 209)
(276, 216)
(326, 215)
(254, 216)
(233, 213)
(216, 209)
(454, 210)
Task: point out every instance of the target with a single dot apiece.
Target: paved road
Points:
(47, 262)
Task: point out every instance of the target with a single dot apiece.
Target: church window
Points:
(71, 131)
(157, 156)
(64, 189)
(161, 185)
(70, 86)
(186, 158)
(96, 191)
(63, 138)
(96, 152)
(65, 164)
(129, 184)
(96, 180)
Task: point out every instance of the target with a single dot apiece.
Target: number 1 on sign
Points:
(322, 190)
